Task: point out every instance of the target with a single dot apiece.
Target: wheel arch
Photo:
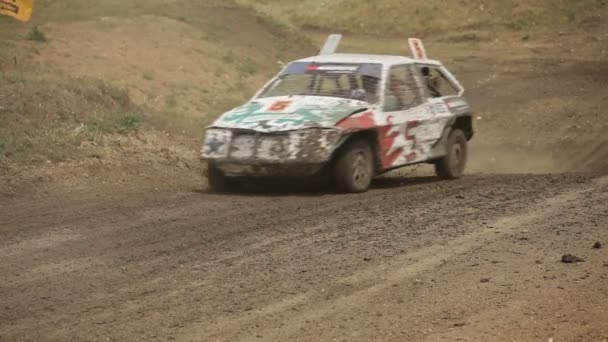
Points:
(368, 135)
(464, 123)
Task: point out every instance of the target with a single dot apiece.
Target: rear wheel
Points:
(452, 165)
(354, 167)
(218, 182)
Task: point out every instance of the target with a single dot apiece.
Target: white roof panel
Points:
(363, 58)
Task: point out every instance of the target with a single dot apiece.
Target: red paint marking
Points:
(419, 52)
(411, 157)
(358, 122)
(279, 106)
(449, 102)
(387, 141)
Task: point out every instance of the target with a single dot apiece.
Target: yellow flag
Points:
(20, 9)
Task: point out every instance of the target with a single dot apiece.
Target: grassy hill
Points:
(178, 62)
(439, 17)
(124, 82)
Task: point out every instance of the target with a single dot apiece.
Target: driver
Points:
(396, 88)
(431, 81)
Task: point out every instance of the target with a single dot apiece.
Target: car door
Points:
(442, 94)
(410, 123)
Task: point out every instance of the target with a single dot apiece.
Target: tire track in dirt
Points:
(314, 310)
(145, 265)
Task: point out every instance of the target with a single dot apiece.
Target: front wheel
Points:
(452, 165)
(354, 167)
(218, 182)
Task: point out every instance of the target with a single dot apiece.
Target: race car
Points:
(349, 116)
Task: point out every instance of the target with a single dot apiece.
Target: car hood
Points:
(275, 114)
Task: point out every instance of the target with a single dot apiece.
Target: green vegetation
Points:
(570, 13)
(126, 123)
(520, 23)
(60, 140)
(245, 67)
(171, 100)
(36, 35)
(248, 67)
(14, 147)
(228, 58)
(48, 119)
(121, 123)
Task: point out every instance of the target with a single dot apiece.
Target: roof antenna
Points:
(331, 44)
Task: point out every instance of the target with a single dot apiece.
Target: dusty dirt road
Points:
(415, 259)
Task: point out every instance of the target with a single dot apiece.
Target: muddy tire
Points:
(353, 169)
(218, 182)
(452, 165)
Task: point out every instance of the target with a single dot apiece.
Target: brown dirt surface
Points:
(116, 238)
(402, 262)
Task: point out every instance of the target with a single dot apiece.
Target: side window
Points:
(436, 83)
(401, 93)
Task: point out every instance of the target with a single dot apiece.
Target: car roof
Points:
(365, 58)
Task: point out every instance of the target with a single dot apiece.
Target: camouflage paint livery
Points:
(298, 134)
(290, 113)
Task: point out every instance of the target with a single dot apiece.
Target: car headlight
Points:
(216, 143)
(314, 144)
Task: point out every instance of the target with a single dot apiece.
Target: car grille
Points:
(260, 146)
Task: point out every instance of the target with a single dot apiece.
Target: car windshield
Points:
(352, 81)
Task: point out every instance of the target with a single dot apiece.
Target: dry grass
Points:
(169, 62)
(47, 119)
(434, 17)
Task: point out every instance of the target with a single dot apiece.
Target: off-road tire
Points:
(353, 168)
(452, 165)
(218, 182)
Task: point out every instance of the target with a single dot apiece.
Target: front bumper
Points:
(245, 152)
(279, 170)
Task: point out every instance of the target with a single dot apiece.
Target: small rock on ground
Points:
(569, 259)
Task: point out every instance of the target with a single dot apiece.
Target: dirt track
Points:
(413, 260)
